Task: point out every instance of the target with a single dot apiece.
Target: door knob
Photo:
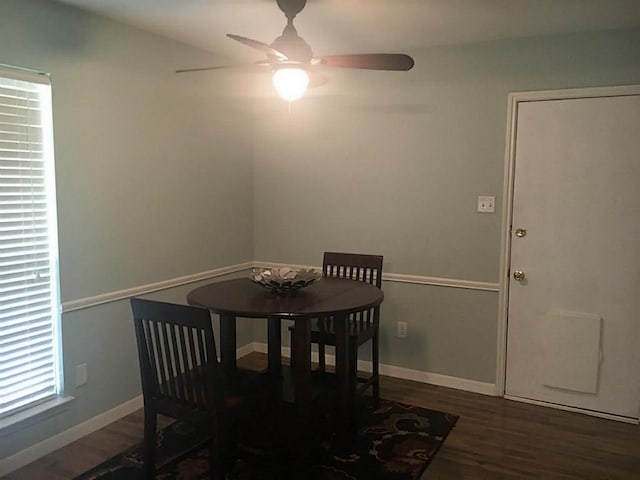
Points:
(518, 275)
(521, 232)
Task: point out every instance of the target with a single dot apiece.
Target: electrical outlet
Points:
(81, 375)
(486, 204)
(402, 328)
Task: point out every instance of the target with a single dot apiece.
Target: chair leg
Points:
(150, 439)
(292, 357)
(218, 457)
(353, 400)
(375, 358)
(217, 467)
(322, 366)
(353, 373)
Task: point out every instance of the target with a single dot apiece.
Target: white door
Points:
(574, 319)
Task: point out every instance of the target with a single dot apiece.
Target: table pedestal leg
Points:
(274, 345)
(345, 386)
(228, 344)
(303, 394)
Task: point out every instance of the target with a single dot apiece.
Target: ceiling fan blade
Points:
(317, 79)
(260, 63)
(204, 69)
(263, 47)
(369, 61)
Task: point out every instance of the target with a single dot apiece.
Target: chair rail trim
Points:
(108, 297)
(404, 278)
(88, 302)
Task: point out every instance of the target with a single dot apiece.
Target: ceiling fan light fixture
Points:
(290, 82)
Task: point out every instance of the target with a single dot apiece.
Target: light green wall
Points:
(162, 175)
(154, 181)
(451, 331)
(392, 164)
(154, 169)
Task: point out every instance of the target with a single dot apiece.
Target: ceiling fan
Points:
(294, 65)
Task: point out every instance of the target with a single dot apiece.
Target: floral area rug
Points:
(395, 441)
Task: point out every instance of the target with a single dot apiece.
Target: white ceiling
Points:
(364, 26)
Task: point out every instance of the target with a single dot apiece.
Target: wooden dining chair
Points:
(363, 326)
(182, 379)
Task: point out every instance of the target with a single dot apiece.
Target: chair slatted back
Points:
(356, 266)
(178, 358)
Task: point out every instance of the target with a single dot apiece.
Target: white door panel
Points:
(577, 194)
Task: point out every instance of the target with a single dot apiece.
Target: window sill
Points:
(30, 416)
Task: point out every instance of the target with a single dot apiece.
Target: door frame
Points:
(514, 100)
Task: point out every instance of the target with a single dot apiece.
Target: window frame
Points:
(54, 399)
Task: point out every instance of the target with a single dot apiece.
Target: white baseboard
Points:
(448, 381)
(34, 452)
(31, 454)
(398, 372)
(249, 348)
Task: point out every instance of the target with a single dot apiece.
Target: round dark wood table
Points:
(328, 297)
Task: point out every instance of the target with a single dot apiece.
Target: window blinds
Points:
(29, 313)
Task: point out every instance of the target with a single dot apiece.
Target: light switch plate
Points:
(486, 204)
(402, 328)
(81, 375)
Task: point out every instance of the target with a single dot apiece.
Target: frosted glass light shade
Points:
(290, 82)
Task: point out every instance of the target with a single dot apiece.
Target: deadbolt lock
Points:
(518, 275)
(521, 232)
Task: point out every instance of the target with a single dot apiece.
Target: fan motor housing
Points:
(293, 46)
(291, 7)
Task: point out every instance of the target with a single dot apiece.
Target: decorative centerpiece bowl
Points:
(284, 280)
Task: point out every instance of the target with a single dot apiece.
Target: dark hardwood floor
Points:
(494, 439)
